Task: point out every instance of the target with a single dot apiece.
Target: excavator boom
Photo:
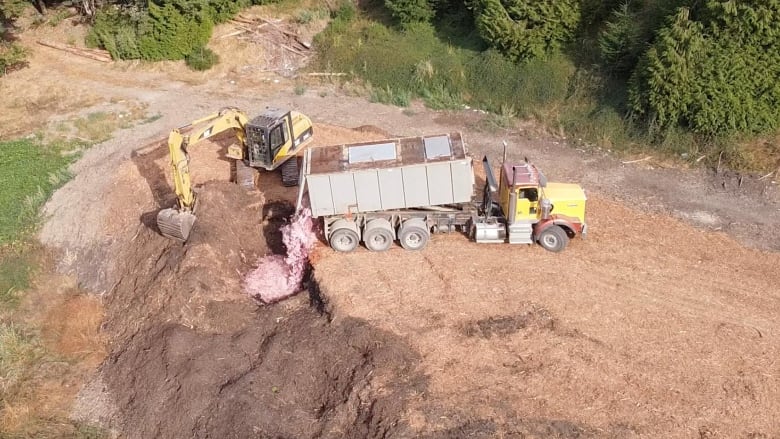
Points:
(176, 223)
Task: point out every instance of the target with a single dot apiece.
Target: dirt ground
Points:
(663, 323)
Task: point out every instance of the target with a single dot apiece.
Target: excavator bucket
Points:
(175, 224)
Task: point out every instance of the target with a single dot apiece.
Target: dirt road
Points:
(662, 324)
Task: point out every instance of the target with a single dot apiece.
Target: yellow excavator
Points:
(269, 141)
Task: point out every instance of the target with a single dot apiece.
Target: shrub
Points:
(716, 76)
(201, 59)
(170, 33)
(11, 56)
(165, 30)
(410, 11)
(11, 9)
(117, 31)
(305, 17)
(524, 30)
(346, 12)
(220, 11)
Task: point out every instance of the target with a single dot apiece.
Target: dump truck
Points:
(406, 189)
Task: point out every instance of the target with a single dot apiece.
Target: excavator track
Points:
(174, 224)
(290, 174)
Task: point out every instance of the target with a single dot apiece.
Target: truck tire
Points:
(344, 236)
(413, 234)
(378, 235)
(554, 239)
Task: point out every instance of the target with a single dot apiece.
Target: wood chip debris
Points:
(285, 52)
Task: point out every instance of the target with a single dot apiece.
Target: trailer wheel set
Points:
(378, 234)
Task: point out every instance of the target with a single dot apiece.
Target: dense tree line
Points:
(714, 69)
(711, 66)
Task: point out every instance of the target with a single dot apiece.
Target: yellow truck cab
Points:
(537, 211)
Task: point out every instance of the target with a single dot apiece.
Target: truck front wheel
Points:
(553, 238)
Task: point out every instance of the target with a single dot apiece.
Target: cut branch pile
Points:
(283, 49)
(95, 54)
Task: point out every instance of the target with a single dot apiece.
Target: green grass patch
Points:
(18, 352)
(388, 95)
(99, 126)
(16, 269)
(151, 118)
(420, 62)
(29, 172)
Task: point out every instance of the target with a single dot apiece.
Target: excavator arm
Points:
(176, 223)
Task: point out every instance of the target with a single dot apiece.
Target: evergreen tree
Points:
(523, 30)
(715, 75)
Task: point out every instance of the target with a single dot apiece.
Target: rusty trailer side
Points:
(388, 175)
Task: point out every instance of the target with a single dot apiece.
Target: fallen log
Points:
(284, 31)
(326, 74)
(637, 161)
(283, 46)
(233, 34)
(244, 20)
(86, 53)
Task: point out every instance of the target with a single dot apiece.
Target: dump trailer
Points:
(405, 189)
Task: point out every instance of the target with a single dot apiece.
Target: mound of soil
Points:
(193, 356)
(286, 373)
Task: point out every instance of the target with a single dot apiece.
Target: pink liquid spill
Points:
(278, 277)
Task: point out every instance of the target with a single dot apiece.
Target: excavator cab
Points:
(274, 136)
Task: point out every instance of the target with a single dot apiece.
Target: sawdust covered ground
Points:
(648, 328)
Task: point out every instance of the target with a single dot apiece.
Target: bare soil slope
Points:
(660, 329)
